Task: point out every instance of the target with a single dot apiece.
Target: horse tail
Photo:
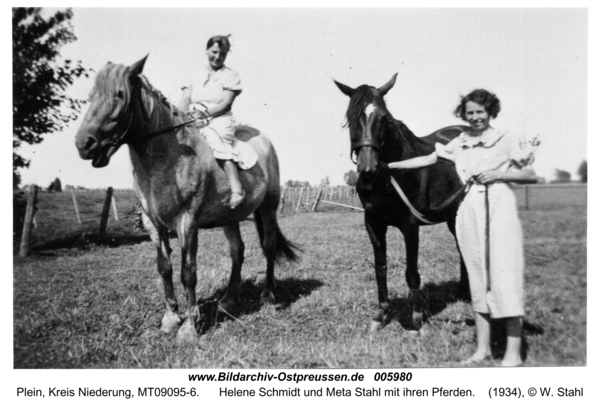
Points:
(283, 248)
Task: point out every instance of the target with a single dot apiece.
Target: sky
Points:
(534, 59)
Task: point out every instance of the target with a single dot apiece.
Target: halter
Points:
(122, 140)
(363, 143)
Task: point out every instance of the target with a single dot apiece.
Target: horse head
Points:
(366, 118)
(112, 117)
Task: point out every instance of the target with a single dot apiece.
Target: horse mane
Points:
(399, 142)
(361, 97)
(114, 79)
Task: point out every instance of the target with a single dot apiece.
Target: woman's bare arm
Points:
(416, 162)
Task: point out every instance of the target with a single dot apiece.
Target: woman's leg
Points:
(512, 356)
(237, 193)
(483, 328)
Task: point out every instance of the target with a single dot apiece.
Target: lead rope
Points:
(487, 238)
(464, 189)
(415, 212)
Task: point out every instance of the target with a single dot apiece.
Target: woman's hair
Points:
(482, 97)
(222, 40)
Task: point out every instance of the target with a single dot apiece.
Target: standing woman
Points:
(488, 227)
(213, 98)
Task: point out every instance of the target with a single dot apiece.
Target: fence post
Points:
(114, 205)
(317, 200)
(75, 204)
(300, 199)
(29, 212)
(105, 211)
(282, 201)
(526, 197)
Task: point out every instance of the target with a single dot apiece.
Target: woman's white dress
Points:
(500, 292)
(208, 90)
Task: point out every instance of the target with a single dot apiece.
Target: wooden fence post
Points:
(114, 205)
(308, 191)
(75, 204)
(105, 211)
(282, 201)
(299, 199)
(29, 212)
(317, 200)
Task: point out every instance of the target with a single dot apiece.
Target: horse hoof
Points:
(417, 320)
(376, 326)
(170, 322)
(267, 297)
(186, 334)
(413, 333)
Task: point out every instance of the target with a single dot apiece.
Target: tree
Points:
(351, 178)
(55, 186)
(297, 184)
(40, 105)
(582, 171)
(561, 176)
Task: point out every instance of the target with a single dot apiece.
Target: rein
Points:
(193, 119)
(122, 140)
(159, 132)
(444, 205)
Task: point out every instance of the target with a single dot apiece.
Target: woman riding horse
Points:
(180, 185)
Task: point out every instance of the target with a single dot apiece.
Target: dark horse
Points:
(180, 185)
(377, 139)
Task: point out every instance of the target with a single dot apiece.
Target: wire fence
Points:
(550, 196)
(41, 216)
(529, 197)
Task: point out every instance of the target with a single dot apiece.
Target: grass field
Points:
(80, 303)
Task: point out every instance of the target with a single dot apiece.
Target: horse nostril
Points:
(89, 143)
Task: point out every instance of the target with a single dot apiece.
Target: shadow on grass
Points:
(433, 298)
(83, 240)
(287, 292)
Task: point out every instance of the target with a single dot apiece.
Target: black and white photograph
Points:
(385, 191)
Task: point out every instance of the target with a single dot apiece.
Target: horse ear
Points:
(138, 67)
(389, 85)
(346, 90)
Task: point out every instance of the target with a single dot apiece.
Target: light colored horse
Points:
(180, 185)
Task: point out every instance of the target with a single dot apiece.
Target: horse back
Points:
(445, 135)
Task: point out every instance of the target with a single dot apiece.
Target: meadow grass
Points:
(83, 303)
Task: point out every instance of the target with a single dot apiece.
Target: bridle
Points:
(357, 145)
(365, 142)
(123, 140)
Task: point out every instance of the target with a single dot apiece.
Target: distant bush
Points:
(561, 177)
(351, 178)
(55, 186)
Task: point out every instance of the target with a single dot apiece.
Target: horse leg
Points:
(413, 279)
(463, 289)
(160, 238)
(188, 238)
(236, 251)
(377, 235)
(266, 226)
